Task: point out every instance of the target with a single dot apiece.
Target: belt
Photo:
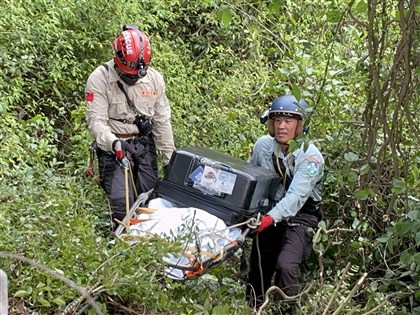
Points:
(293, 224)
(126, 136)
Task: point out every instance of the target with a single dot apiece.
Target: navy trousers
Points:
(278, 251)
(112, 175)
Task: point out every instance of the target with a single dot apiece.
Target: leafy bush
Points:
(224, 62)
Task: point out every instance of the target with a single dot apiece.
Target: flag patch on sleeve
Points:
(89, 96)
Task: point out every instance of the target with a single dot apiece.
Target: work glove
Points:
(265, 222)
(120, 147)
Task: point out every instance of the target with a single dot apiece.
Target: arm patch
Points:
(312, 168)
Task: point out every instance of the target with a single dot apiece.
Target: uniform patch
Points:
(312, 168)
(148, 93)
(89, 96)
(312, 159)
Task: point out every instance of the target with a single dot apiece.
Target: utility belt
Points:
(146, 140)
(143, 123)
(145, 136)
(126, 136)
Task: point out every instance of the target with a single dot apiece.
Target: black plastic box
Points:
(227, 187)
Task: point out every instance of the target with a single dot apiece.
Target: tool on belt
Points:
(90, 169)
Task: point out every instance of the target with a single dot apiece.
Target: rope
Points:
(132, 181)
(127, 170)
(72, 307)
(252, 223)
(127, 197)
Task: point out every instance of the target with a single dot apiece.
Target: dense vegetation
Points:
(356, 64)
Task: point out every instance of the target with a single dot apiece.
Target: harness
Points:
(142, 121)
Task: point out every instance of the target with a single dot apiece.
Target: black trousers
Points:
(279, 250)
(144, 172)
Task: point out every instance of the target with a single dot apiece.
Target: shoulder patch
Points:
(312, 168)
(312, 159)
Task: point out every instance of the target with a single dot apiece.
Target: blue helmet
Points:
(288, 106)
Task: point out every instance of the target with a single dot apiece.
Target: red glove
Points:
(120, 147)
(266, 221)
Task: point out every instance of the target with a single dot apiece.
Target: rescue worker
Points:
(284, 237)
(129, 116)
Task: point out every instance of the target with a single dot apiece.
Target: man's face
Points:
(285, 128)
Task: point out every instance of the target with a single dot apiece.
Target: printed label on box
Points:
(217, 180)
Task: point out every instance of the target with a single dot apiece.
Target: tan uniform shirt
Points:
(106, 102)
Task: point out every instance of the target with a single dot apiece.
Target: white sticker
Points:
(218, 180)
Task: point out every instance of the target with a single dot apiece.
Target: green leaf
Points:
(383, 239)
(417, 295)
(199, 307)
(317, 238)
(296, 92)
(355, 223)
(221, 310)
(397, 15)
(333, 16)
(293, 145)
(416, 258)
(363, 194)
(351, 157)
(320, 247)
(405, 258)
(398, 186)
(414, 215)
(322, 225)
(274, 6)
(44, 302)
(355, 245)
(225, 16)
(364, 169)
(352, 177)
(403, 227)
(360, 7)
(392, 242)
(21, 293)
(34, 119)
(59, 301)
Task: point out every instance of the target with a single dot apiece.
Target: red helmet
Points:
(132, 52)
